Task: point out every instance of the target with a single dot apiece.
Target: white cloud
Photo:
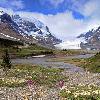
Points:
(63, 25)
(86, 7)
(89, 8)
(12, 4)
(17, 3)
(73, 44)
(53, 3)
(7, 10)
(2, 2)
(56, 2)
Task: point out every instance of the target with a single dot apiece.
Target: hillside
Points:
(8, 43)
(91, 38)
(14, 27)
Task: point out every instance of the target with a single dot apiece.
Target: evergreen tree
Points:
(6, 60)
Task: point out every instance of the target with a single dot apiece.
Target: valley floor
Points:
(34, 82)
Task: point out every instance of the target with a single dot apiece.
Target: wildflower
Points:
(21, 80)
(30, 82)
(61, 84)
(96, 92)
(30, 85)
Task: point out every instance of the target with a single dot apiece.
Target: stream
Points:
(43, 61)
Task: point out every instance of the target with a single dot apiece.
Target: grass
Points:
(48, 76)
(63, 53)
(26, 51)
(81, 93)
(91, 64)
(31, 50)
(19, 74)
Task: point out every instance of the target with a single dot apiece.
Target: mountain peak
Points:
(92, 38)
(1, 12)
(30, 31)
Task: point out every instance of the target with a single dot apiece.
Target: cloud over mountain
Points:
(63, 17)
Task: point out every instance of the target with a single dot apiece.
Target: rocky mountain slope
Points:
(92, 39)
(16, 28)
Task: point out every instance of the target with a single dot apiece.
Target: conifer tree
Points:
(6, 63)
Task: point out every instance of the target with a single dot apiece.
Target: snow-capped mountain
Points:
(10, 30)
(92, 39)
(36, 29)
(87, 35)
(23, 29)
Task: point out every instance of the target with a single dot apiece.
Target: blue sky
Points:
(43, 6)
(50, 7)
(65, 18)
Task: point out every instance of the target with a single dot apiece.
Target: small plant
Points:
(6, 60)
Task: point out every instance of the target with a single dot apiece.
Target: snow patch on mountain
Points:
(1, 12)
(31, 27)
(92, 38)
(29, 31)
(7, 36)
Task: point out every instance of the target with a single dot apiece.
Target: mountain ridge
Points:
(28, 31)
(91, 38)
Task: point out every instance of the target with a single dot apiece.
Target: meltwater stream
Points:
(43, 61)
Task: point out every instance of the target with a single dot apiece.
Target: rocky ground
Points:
(34, 92)
(82, 78)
